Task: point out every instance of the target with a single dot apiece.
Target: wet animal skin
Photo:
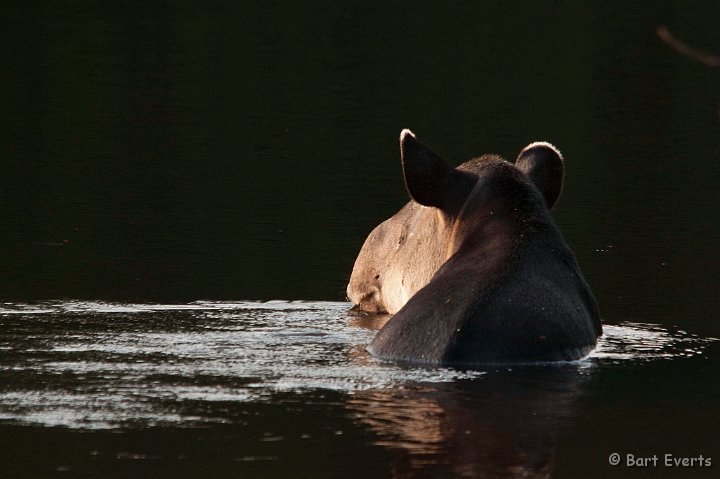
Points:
(473, 268)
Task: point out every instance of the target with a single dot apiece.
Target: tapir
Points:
(474, 269)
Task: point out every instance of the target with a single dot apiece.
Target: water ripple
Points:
(104, 365)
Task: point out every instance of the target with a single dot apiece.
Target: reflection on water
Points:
(99, 365)
(504, 425)
(102, 366)
(644, 342)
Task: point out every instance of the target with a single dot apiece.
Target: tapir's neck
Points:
(491, 223)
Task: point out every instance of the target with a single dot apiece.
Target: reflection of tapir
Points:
(504, 425)
(474, 269)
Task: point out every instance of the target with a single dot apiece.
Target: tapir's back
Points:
(540, 310)
(536, 307)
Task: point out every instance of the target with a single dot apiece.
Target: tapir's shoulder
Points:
(535, 306)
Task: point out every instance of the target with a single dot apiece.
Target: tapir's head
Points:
(482, 206)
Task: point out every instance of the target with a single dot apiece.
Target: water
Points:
(240, 387)
(159, 153)
(136, 355)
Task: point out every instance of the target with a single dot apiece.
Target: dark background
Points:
(175, 151)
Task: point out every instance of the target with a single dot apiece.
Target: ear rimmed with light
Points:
(541, 144)
(425, 173)
(544, 165)
(429, 180)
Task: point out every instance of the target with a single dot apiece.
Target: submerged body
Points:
(474, 268)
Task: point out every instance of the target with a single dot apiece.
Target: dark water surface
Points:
(285, 389)
(204, 154)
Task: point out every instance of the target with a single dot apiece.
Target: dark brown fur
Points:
(506, 288)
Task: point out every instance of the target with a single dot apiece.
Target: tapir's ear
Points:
(543, 164)
(428, 178)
